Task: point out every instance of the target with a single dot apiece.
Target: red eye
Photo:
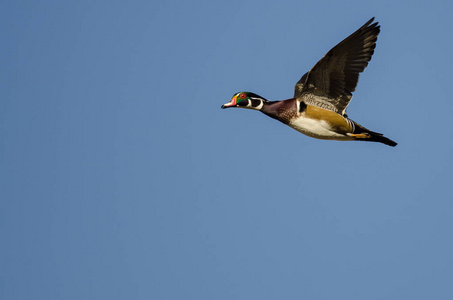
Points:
(242, 96)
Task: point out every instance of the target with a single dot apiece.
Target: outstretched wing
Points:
(330, 83)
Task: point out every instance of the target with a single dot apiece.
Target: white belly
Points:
(317, 129)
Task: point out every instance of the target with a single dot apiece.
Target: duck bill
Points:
(232, 103)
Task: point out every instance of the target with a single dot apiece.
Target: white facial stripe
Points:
(259, 107)
(256, 107)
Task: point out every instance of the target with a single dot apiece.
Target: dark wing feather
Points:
(300, 85)
(330, 83)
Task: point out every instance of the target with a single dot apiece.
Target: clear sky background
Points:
(121, 177)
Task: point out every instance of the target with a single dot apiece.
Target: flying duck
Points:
(318, 108)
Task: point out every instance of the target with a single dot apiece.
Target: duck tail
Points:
(378, 137)
(363, 134)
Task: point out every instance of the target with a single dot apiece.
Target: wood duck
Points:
(318, 108)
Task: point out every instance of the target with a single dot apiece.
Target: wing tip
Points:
(371, 24)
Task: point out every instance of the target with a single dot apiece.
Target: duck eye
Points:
(242, 96)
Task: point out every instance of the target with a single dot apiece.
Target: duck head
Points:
(246, 100)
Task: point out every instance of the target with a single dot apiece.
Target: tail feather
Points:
(364, 134)
(378, 137)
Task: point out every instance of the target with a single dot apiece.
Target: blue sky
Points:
(121, 177)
